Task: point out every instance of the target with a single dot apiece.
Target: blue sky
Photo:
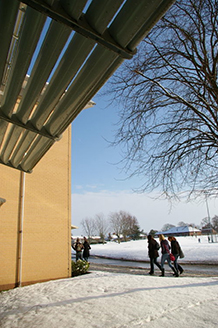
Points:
(94, 162)
(99, 186)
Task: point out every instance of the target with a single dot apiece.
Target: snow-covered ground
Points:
(194, 250)
(101, 299)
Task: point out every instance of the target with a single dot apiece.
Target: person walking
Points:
(165, 250)
(176, 251)
(86, 248)
(78, 246)
(153, 254)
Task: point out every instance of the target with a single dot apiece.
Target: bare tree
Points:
(101, 226)
(125, 224)
(88, 225)
(215, 222)
(169, 92)
(205, 222)
(182, 224)
(167, 226)
(210, 224)
(129, 224)
(116, 224)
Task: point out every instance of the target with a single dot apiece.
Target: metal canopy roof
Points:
(50, 68)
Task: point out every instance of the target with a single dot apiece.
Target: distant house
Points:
(180, 231)
(143, 236)
(208, 231)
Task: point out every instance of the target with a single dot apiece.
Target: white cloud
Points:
(151, 213)
(78, 187)
(91, 187)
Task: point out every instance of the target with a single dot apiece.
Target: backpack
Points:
(79, 247)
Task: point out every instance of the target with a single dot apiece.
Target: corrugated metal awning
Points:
(55, 55)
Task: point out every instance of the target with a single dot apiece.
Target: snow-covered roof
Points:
(178, 230)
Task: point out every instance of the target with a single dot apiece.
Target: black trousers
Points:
(152, 262)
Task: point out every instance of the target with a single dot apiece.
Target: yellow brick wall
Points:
(46, 252)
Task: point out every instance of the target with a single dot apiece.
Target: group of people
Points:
(167, 250)
(82, 249)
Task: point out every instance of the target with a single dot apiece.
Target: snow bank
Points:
(112, 300)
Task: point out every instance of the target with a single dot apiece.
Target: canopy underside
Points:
(55, 55)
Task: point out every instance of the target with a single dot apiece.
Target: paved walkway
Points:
(190, 270)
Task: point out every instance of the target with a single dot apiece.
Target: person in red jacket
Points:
(165, 249)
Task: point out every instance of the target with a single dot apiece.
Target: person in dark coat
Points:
(165, 250)
(153, 254)
(175, 250)
(86, 248)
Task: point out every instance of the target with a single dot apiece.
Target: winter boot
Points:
(162, 274)
(159, 266)
(175, 272)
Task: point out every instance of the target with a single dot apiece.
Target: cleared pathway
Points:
(132, 267)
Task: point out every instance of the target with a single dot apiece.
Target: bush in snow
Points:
(79, 267)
